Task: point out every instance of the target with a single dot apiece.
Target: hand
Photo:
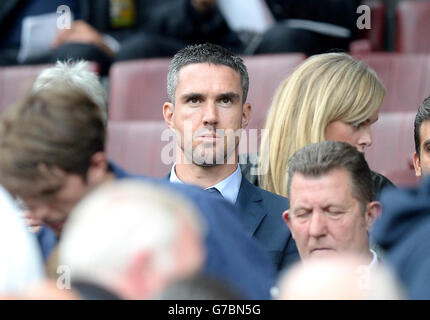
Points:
(33, 224)
(203, 6)
(82, 32)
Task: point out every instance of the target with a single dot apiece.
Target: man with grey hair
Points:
(74, 75)
(207, 88)
(158, 239)
(331, 208)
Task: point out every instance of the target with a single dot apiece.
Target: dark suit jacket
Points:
(231, 255)
(260, 212)
(403, 233)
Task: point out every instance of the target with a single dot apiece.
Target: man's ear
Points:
(287, 220)
(246, 114)
(417, 165)
(145, 279)
(373, 212)
(98, 168)
(168, 112)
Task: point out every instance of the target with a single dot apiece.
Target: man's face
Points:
(325, 218)
(54, 208)
(208, 113)
(422, 162)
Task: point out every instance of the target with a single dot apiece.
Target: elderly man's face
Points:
(324, 216)
(422, 162)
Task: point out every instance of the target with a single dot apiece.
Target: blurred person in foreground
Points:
(20, 260)
(146, 237)
(339, 277)
(66, 75)
(403, 232)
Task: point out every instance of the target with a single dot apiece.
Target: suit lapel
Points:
(249, 203)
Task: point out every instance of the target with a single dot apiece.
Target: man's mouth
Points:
(321, 251)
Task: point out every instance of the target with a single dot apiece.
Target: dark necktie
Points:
(215, 192)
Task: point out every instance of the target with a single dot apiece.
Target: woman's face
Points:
(358, 135)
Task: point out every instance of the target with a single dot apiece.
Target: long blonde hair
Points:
(324, 88)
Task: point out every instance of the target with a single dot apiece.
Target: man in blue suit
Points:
(52, 155)
(207, 87)
(403, 233)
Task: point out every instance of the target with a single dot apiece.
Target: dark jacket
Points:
(260, 213)
(403, 232)
(231, 255)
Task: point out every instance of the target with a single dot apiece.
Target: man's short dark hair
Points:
(205, 53)
(315, 160)
(422, 115)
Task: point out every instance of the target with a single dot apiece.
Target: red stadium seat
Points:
(405, 76)
(138, 89)
(371, 39)
(16, 82)
(265, 75)
(137, 146)
(413, 27)
(391, 153)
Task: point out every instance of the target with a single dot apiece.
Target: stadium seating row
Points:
(147, 147)
(138, 88)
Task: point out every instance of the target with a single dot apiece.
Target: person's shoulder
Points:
(271, 200)
(380, 182)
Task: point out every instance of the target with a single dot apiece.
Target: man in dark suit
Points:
(422, 139)
(403, 233)
(52, 155)
(207, 87)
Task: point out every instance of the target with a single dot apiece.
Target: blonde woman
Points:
(328, 97)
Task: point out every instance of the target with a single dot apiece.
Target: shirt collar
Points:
(229, 187)
(374, 261)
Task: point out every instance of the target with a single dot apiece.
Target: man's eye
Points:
(302, 214)
(334, 213)
(194, 100)
(225, 101)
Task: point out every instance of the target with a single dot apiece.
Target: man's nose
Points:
(365, 140)
(318, 225)
(210, 113)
